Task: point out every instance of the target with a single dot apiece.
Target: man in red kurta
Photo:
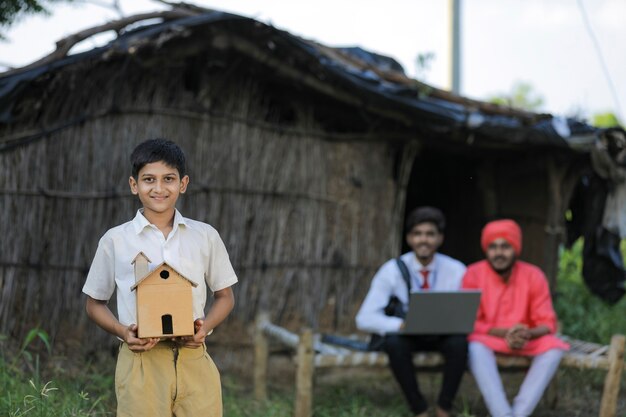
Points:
(515, 317)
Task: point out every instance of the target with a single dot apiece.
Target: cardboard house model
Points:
(164, 301)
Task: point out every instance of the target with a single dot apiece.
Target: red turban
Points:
(505, 229)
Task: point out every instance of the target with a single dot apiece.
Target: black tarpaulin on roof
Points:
(424, 109)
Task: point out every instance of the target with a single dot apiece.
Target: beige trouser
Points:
(167, 381)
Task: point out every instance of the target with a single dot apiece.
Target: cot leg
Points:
(304, 375)
(608, 406)
(261, 357)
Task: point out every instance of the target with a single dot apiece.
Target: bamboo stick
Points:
(608, 405)
(304, 375)
(261, 356)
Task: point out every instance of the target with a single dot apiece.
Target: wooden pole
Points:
(261, 357)
(409, 152)
(608, 406)
(304, 375)
(554, 227)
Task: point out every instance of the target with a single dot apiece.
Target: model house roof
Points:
(155, 270)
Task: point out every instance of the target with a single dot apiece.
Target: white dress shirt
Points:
(445, 274)
(193, 248)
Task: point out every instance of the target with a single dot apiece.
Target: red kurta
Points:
(524, 299)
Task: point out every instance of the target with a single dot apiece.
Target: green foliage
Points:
(355, 397)
(22, 392)
(466, 411)
(238, 403)
(12, 10)
(89, 390)
(583, 315)
(349, 400)
(423, 64)
(521, 96)
(20, 397)
(605, 120)
(31, 336)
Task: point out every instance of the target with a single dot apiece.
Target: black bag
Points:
(393, 308)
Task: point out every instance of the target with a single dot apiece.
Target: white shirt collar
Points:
(419, 267)
(140, 222)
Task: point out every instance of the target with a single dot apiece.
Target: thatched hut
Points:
(304, 157)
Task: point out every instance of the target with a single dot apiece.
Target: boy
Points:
(153, 377)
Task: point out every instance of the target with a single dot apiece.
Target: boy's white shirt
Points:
(193, 248)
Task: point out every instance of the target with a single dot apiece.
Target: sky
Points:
(577, 68)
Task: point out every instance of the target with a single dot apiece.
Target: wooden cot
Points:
(310, 354)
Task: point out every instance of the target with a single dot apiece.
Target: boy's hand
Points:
(197, 339)
(136, 344)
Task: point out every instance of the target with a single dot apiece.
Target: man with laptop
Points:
(515, 317)
(426, 271)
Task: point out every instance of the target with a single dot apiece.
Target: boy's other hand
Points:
(136, 344)
(197, 339)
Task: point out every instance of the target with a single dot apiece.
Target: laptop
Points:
(441, 312)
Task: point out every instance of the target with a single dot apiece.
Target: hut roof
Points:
(306, 156)
(374, 83)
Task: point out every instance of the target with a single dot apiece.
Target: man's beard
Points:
(505, 270)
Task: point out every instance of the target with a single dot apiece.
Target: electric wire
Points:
(598, 50)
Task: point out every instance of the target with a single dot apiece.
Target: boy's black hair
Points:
(425, 214)
(155, 150)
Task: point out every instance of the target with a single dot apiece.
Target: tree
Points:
(521, 96)
(12, 10)
(607, 119)
(422, 64)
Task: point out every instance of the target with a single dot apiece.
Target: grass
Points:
(85, 388)
(28, 390)
(582, 315)
(339, 398)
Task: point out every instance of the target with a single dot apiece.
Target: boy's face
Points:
(158, 186)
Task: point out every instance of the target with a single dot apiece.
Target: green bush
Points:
(583, 315)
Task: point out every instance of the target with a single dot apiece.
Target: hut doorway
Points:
(450, 182)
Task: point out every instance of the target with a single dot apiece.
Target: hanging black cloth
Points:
(603, 266)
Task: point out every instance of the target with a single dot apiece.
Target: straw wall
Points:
(307, 216)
